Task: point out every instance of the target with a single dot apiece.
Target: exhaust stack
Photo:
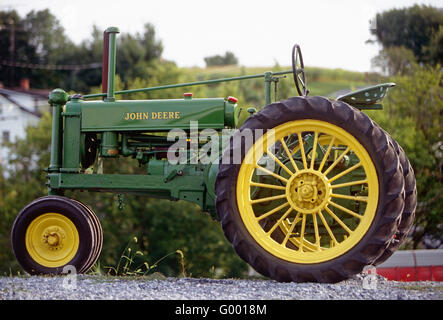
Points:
(109, 62)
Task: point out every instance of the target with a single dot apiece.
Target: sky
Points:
(331, 34)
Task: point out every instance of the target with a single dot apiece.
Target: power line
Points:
(15, 64)
(12, 63)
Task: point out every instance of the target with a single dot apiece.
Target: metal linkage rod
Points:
(188, 84)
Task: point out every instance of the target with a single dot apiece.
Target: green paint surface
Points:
(150, 115)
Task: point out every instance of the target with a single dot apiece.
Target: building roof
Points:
(40, 93)
(12, 95)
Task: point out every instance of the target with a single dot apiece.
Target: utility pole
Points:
(12, 30)
(11, 50)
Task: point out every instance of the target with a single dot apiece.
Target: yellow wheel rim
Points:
(52, 240)
(320, 212)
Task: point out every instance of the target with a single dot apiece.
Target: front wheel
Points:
(316, 196)
(53, 232)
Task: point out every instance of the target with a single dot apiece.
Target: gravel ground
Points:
(125, 288)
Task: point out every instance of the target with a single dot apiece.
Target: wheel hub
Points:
(307, 191)
(53, 237)
(53, 240)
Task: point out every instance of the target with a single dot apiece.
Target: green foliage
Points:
(395, 60)
(412, 40)
(435, 49)
(413, 28)
(413, 116)
(25, 182)
(228, 59)
(40, 39)
(13, 28)
(251, 93)
(134, 263)
(134, 54)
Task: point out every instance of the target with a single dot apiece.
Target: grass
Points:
(314, 73)
(133, 263)
(320, 81)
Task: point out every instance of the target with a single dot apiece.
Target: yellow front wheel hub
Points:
(52, 240)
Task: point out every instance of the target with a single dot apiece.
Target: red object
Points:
(413, 265)
(24, 84)
(423, 273)
(232, 99)
(105, 62)
(188, 94)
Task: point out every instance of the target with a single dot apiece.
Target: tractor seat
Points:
(367, 96)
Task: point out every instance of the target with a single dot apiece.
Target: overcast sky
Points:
(260, 33)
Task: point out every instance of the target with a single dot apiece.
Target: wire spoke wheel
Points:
(310, 204)
(318, 194)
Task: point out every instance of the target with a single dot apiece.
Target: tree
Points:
(413, 115)
(435, 49)
(413, 28)
(136, 52)
(228, 59)
(394, 60)
(39, 38)
(412, 41)
(14, 46)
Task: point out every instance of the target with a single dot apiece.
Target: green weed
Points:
(135, 263)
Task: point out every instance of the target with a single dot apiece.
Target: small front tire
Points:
(51, 233)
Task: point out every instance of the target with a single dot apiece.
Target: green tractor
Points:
(308, 189)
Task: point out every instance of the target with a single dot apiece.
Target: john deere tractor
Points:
(306, 189)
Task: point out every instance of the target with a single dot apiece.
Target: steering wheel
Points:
(298, 70)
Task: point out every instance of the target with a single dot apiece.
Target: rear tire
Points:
(408, 214)
(262, 252)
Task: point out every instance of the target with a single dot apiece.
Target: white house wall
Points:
(15, 121)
